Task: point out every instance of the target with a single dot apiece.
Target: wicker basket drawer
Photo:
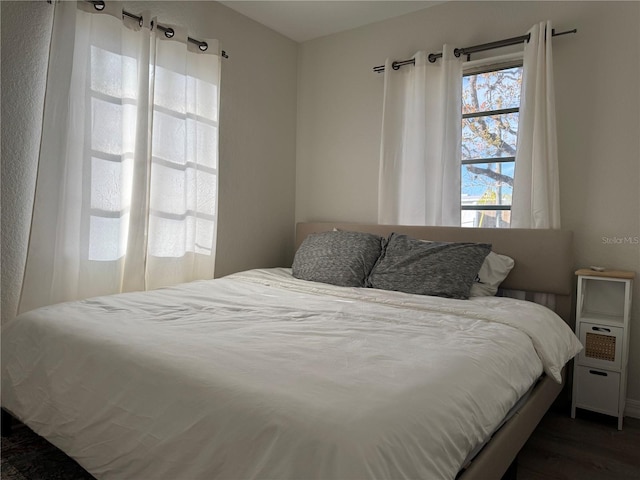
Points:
(597, 390)
(602, 346)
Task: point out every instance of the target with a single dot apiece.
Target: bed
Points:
(264, 375)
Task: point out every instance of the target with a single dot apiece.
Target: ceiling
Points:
(304, 20)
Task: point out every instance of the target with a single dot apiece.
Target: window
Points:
(490, 107)
(126, 197)
(182, 183)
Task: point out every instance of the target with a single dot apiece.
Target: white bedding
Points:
(260, 375)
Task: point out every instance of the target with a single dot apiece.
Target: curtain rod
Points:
(473, 49)
(168, 32)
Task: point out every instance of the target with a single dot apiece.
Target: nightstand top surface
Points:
(587, 272)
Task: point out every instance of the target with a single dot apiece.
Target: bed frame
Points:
(543, 264)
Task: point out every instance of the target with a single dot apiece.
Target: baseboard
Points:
(632, 408)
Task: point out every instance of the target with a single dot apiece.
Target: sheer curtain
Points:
(536, 193)
(419, 182)
(126, 193)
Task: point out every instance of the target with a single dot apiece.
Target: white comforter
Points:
(259, 375)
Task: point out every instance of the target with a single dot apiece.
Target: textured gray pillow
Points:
(338, 257)
(428, 268)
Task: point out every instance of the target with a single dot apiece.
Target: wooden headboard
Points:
(544, 258)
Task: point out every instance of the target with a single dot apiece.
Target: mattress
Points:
(261, 375)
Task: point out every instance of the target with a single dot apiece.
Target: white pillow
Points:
(493, 271)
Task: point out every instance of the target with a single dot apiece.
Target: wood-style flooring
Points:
(587, 448)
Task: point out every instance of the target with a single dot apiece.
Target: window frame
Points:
(476, 67)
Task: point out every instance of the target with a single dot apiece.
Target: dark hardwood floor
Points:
(587, 448)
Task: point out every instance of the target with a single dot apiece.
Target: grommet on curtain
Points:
(395, 66)
(170, 33)
(432, 58)
(98, 5)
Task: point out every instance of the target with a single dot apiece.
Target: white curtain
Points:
(536, 191)
(419, 182)
(536, 195)
(126, 194)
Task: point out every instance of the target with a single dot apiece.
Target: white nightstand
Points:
(603, 307)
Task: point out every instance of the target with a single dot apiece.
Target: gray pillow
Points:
(428, 268)
(338, 257)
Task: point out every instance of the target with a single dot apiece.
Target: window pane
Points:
(113, 74)
(491, 90)
(170, 90)
(487, 183)
(113, 127)
(202, 144)
(168, 189)
(485, 218)
(169, 137)
(111, 184)
(201, 192)
(489, 137)
(108, 237)
(169, 237)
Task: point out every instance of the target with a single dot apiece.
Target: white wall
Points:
(26, 31)
(257, 132)
(597, 73)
